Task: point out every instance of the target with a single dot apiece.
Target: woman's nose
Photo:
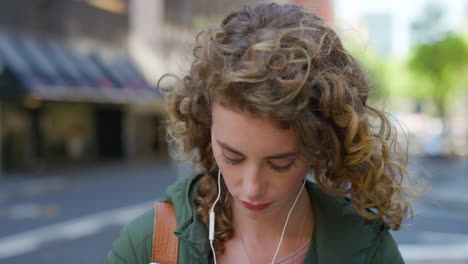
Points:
(254, 184)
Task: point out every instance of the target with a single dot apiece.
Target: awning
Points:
(49, 70)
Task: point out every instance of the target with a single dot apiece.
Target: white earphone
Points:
(212, 219)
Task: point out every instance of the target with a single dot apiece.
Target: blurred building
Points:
(323, 8)
(77, 76)
(69, 91)
(380, 28)
(162, 32)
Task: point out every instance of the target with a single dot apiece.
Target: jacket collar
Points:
(340, 235)
(192, 233)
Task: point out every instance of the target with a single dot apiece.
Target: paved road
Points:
(45, 216)
(439, 233)
(73, 216)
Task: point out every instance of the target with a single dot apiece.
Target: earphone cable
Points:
(286, 223)
(212, 217)
(219, 191)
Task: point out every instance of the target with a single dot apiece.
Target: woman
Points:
(272, 97)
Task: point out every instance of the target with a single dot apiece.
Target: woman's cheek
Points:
(296, 177)
(230, 179)
(226, 171)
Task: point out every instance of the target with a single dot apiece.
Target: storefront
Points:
(59, 107)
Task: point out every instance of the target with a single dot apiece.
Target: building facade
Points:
(70, 94)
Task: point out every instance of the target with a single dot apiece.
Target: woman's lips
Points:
(256, 207)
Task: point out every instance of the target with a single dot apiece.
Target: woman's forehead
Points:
(235, 128)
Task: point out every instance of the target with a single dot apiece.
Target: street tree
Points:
(441, 62)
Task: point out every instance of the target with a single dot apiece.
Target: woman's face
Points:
(259, 161)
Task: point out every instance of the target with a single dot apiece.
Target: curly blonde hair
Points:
(282, 62)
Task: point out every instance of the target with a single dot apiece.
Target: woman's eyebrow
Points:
(229, 148)
(276, 156)
(283, 155)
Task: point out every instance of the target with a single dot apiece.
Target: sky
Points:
(403, 13)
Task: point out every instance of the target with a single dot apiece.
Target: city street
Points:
(72, 216)
(90, 92)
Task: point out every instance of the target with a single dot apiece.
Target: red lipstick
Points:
(256, 207)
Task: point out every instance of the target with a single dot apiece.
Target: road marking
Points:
(455, 252)
(31, 211)
(437, 247)
(28, 241)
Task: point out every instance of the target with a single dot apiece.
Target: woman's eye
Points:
(281, 166)
(229, 160)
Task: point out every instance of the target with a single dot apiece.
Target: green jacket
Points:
(340, 234)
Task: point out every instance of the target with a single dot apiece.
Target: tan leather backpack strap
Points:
(165, 243)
